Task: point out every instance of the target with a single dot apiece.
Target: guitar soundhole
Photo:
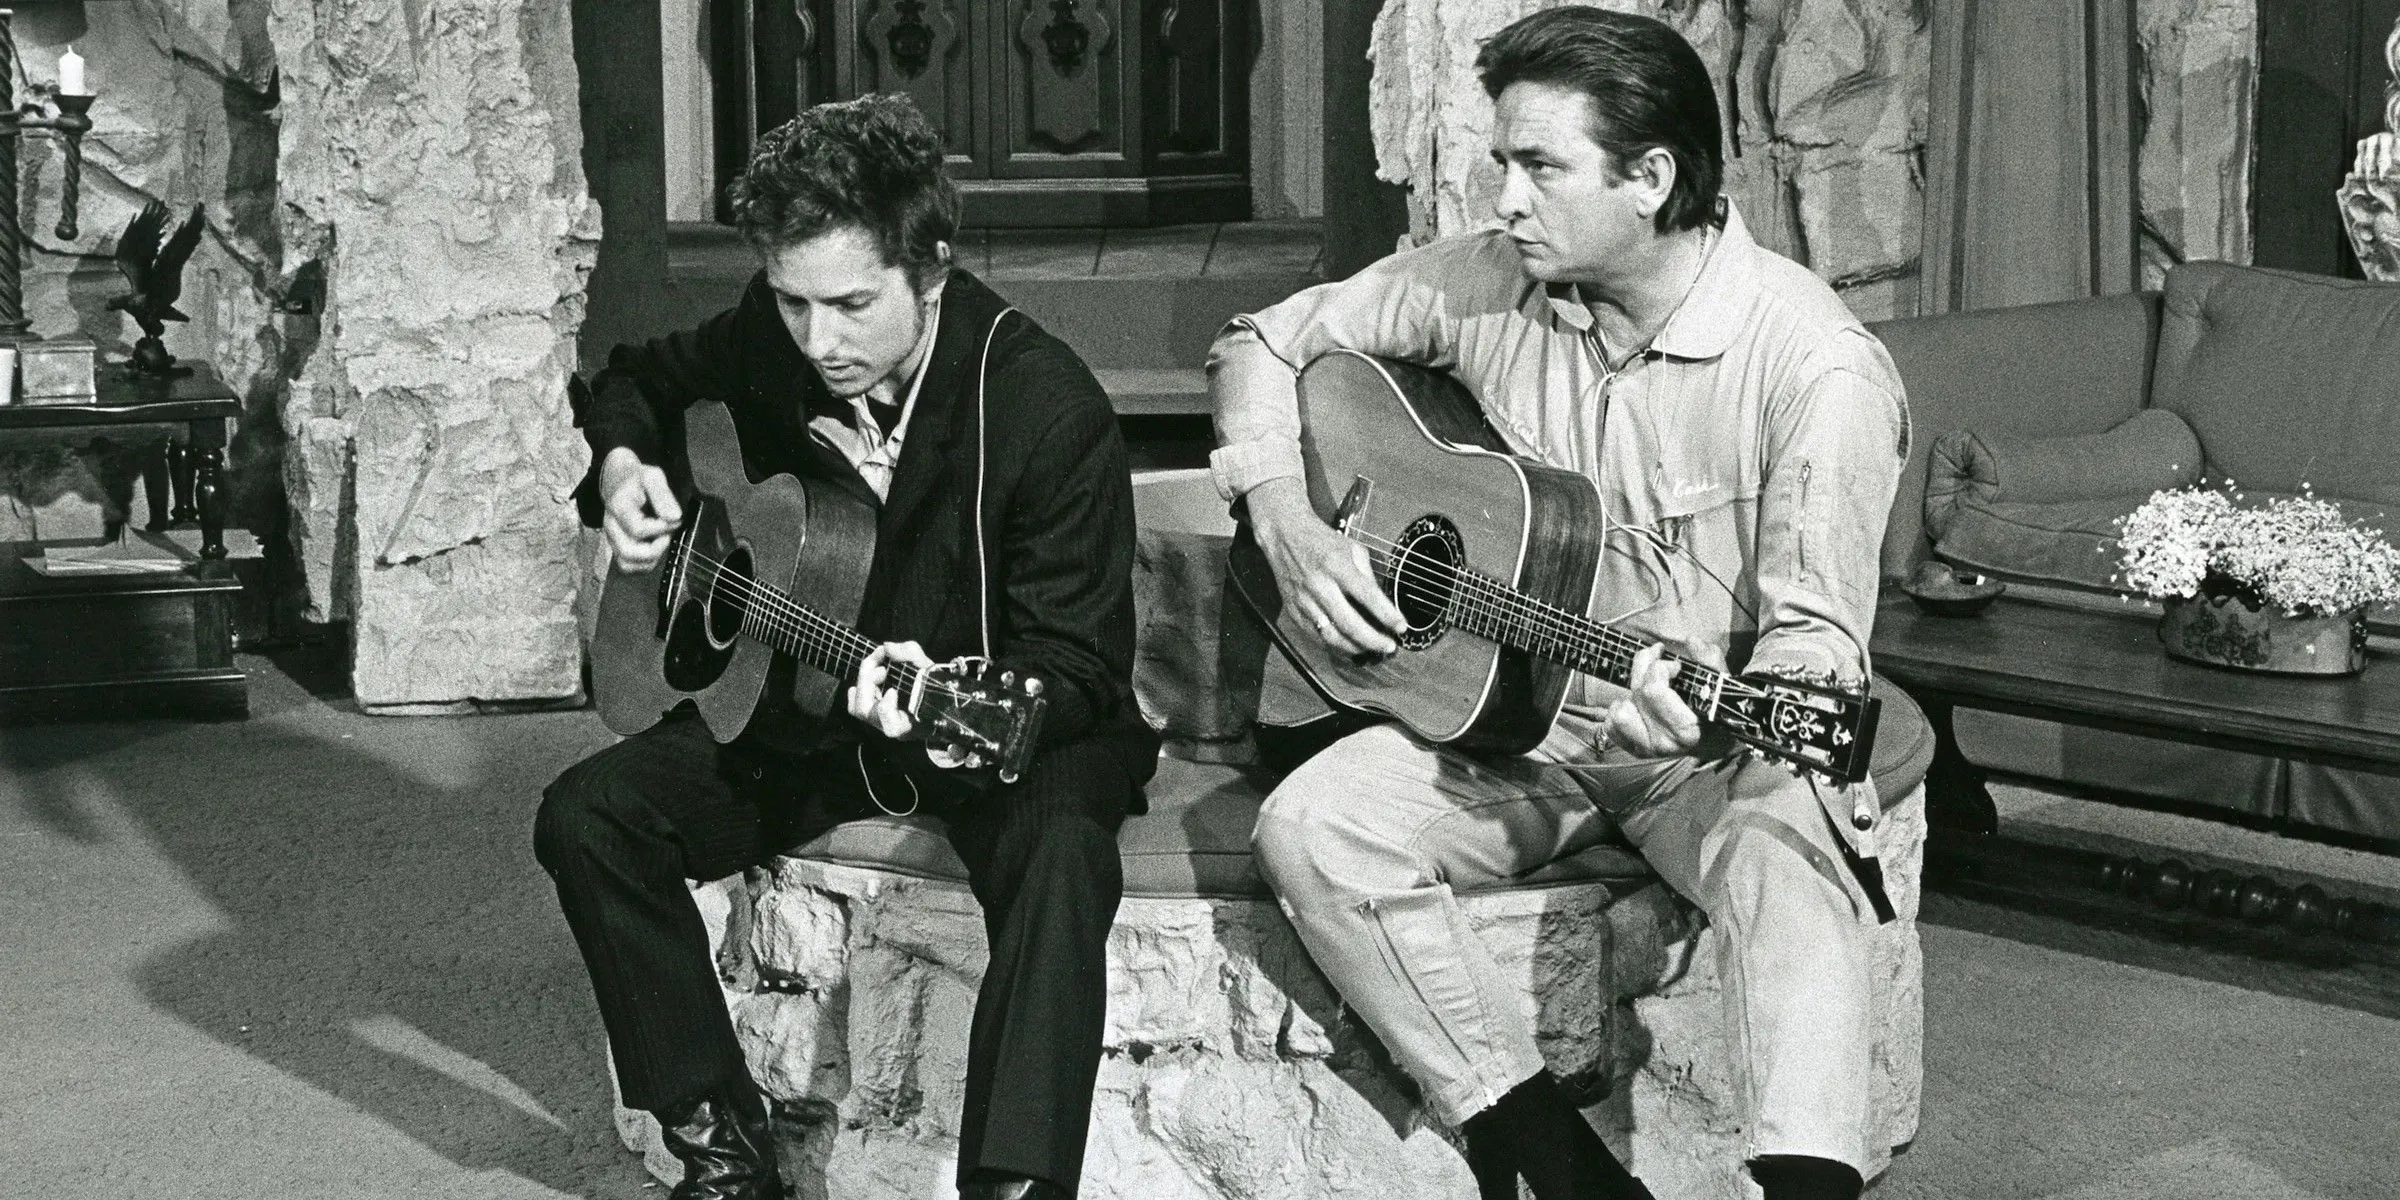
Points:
(1425, 566)
(728, 598)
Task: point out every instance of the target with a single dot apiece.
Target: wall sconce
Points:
(71, 120)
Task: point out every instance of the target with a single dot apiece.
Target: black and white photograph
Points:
(1200, 599)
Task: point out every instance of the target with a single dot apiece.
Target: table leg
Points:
(1955, 796)
(210, 490)
(154, 486)
(179, 473)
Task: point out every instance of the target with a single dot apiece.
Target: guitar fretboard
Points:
(1492, 610)
(771, 615)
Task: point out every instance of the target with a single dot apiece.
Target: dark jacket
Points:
(1058, 498)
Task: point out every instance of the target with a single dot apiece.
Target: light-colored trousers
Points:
(1365, 842)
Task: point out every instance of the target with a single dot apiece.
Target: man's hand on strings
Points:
(639, 512)
(1652, 721)
(882, 707)
(1327, 579)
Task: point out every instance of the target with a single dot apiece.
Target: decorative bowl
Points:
(1946, 592)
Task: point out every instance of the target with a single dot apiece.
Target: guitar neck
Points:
(773, 617)
(1495, 612)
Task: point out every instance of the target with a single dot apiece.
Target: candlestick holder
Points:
(72, 121)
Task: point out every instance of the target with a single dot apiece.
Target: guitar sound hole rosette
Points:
(1425, 572)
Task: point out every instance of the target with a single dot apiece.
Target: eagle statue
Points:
(152, 262)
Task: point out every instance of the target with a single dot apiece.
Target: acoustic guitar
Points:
(1492, 560)
(774, 569)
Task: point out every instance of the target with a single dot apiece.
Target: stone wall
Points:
(185, 115)
(1826, 108)
(2197, 80)
(422, 163)
(431, 160)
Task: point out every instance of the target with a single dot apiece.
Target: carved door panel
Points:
(928, 50)
(1064, 88)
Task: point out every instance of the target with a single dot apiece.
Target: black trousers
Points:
(621, 831)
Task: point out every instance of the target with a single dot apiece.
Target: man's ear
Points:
(933, 291)
(1653, 178)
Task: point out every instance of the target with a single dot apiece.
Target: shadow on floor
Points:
(389, 938)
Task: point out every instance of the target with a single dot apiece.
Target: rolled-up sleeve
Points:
(1835, 445)
(1392, 310)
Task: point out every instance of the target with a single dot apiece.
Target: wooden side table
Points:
(191, 466)
(106, 646)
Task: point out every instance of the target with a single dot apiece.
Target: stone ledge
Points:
(1230, 1072)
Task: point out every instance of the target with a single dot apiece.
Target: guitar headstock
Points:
(1818, 729)
(975, 717)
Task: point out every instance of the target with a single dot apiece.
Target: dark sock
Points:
(1536, 1130)
(1488, 1157)
(1796, 1177)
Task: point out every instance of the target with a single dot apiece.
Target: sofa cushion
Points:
(2148, 451)
(2074, 544)
(1195, 840)
(2045, 509)
(2289, 379)
(2077, 366)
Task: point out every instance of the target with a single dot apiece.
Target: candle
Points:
(70, 73)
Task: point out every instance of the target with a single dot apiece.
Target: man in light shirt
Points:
(1746, 434)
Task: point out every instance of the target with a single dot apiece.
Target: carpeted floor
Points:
(309, 955)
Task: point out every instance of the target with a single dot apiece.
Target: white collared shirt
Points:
(861, 439)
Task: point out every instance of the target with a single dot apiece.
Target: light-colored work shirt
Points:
(1746, 460)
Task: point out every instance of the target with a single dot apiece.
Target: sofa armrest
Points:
(2149, 451)
(2081, 366)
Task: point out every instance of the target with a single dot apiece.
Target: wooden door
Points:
(2320, 89)
(928, 51)
(1066, 89)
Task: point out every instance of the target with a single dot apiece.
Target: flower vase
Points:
(2227, 631)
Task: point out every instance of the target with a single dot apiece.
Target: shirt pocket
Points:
(1687, 504)
(1685, 513)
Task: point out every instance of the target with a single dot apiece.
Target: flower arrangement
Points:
(2295, 553)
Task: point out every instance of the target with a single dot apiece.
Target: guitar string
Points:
(1516, 612)
(1694, 685)
(811, 629)
(1564, 627)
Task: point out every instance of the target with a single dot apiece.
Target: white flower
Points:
(2295, 552)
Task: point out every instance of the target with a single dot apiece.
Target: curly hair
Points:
(873, 162)
(1648, 87)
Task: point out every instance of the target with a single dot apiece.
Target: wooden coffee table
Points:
(2106, 670)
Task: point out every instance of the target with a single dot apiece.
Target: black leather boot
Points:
(1792, 1177)
(986, 1185)
(726, 1148)
(1535, 1132)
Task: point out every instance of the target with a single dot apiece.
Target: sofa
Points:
(2037, 428)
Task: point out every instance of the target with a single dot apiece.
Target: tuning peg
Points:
(1008, 678)
(1033, 686)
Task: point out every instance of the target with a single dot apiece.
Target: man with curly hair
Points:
(861, 359)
